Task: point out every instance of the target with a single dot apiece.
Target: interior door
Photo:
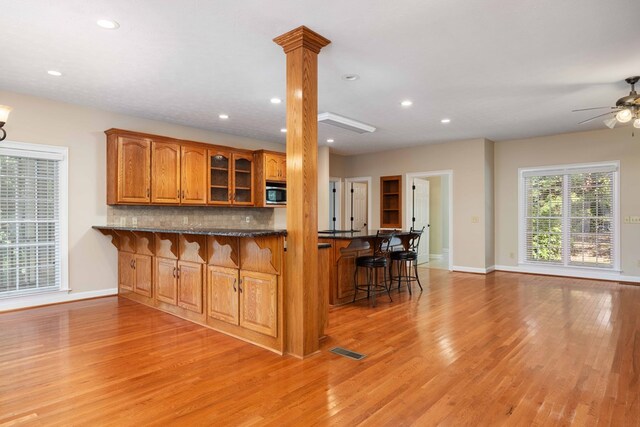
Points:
(359, 203)
(421, 216)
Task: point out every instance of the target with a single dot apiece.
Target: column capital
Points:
(301, 37)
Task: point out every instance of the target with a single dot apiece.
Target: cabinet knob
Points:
(174, 271)
(178, 272)
(239, 287)
(148, 192)
(234, 285)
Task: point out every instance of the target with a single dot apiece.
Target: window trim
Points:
(42, 151)
(567, 169)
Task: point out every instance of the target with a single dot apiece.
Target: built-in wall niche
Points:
(391, 201)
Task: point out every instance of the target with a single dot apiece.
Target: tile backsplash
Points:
(195, 216)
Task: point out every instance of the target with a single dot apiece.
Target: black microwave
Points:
(276, 195)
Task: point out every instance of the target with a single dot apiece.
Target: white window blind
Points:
(569, 216)
(30, 232)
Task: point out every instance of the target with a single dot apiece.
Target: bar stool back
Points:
(407, 260)
(372, 264)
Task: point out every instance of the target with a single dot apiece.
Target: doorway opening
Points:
(357, 203)
(430, 205)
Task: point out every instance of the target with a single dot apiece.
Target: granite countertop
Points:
(230, 232)
(351, 235)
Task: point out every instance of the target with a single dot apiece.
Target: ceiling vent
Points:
(345, 123)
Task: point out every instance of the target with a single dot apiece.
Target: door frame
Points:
(339, 199)
(368, 180)
(408, 200)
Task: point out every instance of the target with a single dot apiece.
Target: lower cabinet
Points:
(259, 302)
(135, 273)
(245, 298)
(179, 283)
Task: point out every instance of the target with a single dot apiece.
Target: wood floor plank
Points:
(470, 350)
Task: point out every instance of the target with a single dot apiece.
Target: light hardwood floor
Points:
(469, 350)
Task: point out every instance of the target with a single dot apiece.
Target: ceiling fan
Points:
(627, 108)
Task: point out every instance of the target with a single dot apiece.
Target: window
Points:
(32, 219)
(568, 216)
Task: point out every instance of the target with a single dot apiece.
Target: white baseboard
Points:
(52, 298)
(476, 270)
(569, 272)
(435, 256)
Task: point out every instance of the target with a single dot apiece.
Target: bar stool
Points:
(402, 258)
(372, 264)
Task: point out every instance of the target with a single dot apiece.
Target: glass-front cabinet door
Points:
(220, 191)
(242, 179)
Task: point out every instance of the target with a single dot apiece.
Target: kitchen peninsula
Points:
(346, 246)
(229, 280)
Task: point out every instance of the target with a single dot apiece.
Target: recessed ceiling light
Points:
(108, 24)
(54, 73)
(283, 130)
(350, 77)
(406, 103)
(329, 140)
(276, 100)
(445, 121)
(223, 116)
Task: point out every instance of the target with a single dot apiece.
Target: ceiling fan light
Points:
(624, 116)
(636, 123)
(611, 123)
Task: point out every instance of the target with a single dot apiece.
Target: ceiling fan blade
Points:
(611, 123)
(594, 108)
(593, 118)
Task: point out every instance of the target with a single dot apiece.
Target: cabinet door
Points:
(142, 267)
(271, 167)
(165, 174)
(134, 170)
(190, 286)
(194, 175)
(220, 177)
(282, 168)
(223, 294)
(166, 280)
(259, 302)
(126, 275)
(242, 179)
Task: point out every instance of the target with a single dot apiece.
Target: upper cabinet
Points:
(165, 172)
(271, 170)
(275, 166)
(230, 177)
(150, 169)
(128, 169)
(194, 175)
(391, 201)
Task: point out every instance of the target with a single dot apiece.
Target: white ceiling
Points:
(499, 69)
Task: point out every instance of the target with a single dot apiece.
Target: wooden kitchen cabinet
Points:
(180, 283)
(259, 302)
(242, 179)
(275, 167)
(126, 275)
(128, 169)
(135, 273)
(223, 294)
(190, 280)
(165, 172)
(166, 280)
(271, 169)
(230, 178)
(193, 168)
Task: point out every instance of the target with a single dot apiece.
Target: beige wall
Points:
(337, 166)
(581, 147)
(92, 259)
(466, 160)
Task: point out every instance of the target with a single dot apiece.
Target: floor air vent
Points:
(348, 353)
